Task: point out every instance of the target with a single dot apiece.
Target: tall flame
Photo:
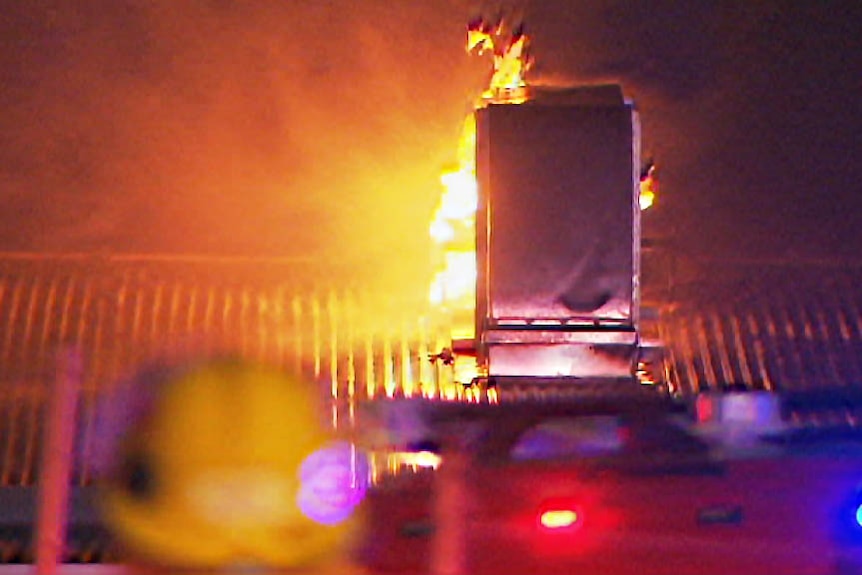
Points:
(453, 231)
(453, 228)
(511, 60)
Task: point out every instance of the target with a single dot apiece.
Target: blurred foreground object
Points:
(57, 463)
(624, 485)
(224, 463)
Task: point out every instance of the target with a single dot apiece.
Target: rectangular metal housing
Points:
(558, 221)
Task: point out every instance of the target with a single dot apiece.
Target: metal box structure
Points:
(558, 234)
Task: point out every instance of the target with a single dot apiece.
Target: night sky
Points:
(319, 128)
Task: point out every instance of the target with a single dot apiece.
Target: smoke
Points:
(318, 129)
(294, 129)
(748, 109)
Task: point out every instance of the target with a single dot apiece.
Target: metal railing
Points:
(357, 339)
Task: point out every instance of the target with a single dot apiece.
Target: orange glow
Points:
(453, 228)
(465, 369)
(421, 459)
(643, 373)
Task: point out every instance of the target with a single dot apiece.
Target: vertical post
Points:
(448, 556)
(57, 463)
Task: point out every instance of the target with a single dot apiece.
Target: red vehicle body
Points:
(625, 493)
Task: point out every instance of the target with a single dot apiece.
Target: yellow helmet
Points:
(225, 462)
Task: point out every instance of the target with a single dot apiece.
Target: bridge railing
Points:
(354, 338)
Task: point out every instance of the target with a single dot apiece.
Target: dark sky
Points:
(287, 127)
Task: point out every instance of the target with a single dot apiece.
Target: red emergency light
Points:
(560, 516)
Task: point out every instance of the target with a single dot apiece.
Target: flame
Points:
(466, 370)
(453, 227)
(511, 60)
(453, 231)
(480, 36)
(648, 187)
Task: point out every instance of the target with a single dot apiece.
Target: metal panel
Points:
(558, 224)
(561, 360)
(580, 354)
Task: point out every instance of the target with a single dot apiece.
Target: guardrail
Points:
(360, 341)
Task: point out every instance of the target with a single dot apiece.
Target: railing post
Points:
(451, 499)
(55, 471)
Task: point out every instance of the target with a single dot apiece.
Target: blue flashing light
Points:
(849, 530)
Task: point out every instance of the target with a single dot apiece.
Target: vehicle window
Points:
(603, 436)
(561, 438)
